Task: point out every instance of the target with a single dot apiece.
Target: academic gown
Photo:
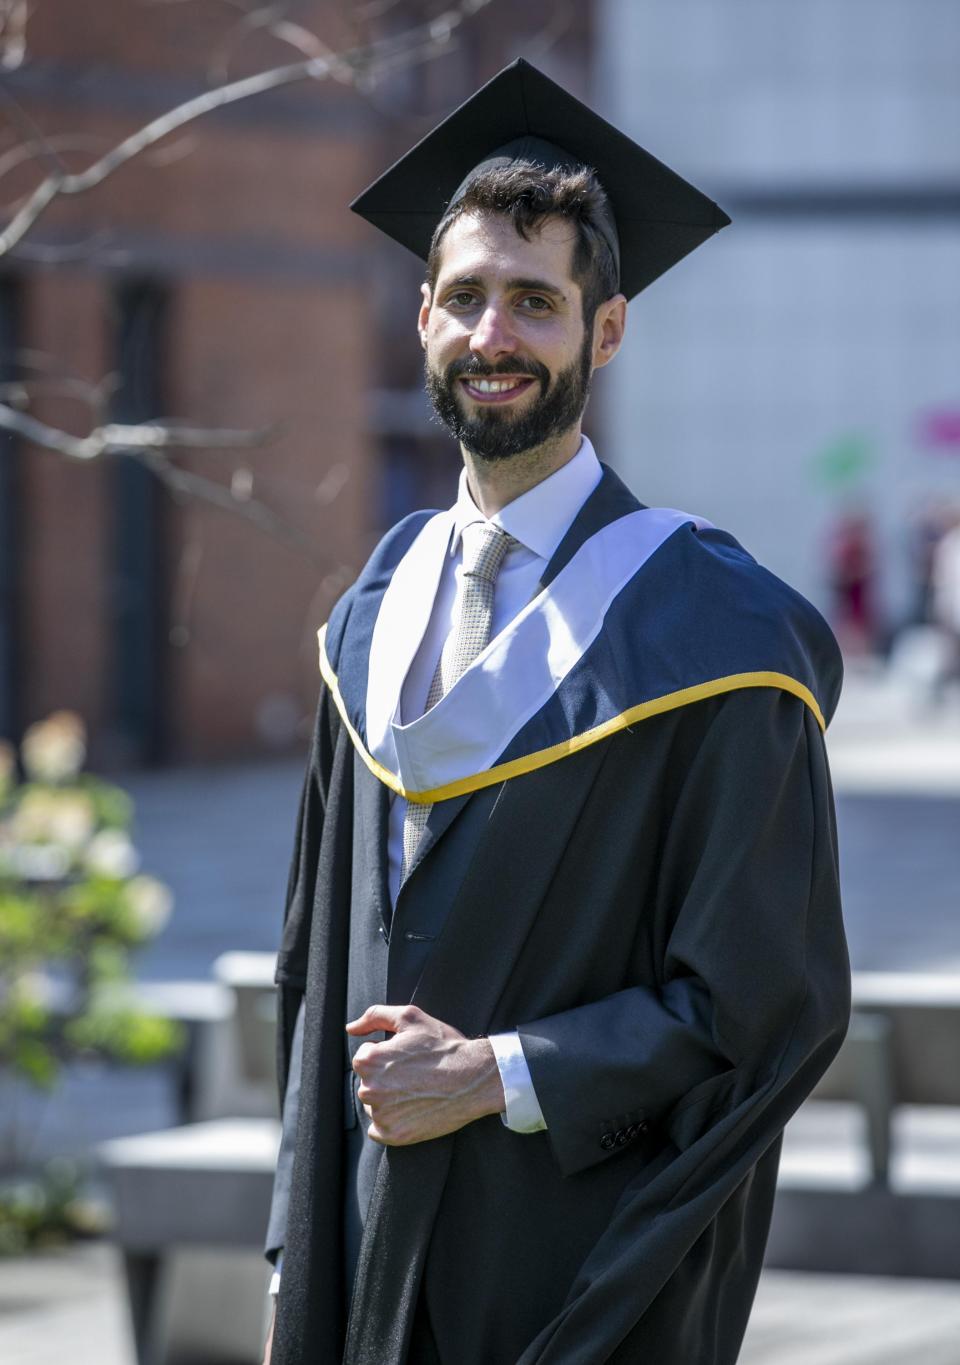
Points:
(658, 914)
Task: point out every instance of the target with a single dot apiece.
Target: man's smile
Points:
(497, 389)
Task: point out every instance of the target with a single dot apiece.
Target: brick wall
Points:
(279, 307)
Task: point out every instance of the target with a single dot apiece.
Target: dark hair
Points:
(529, 194)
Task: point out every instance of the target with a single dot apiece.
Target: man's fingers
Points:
(365, 1053)
(384, 1019)
(385, 1136)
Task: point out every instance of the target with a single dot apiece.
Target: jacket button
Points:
(643, 1126)
(633, 1131)
(622, 1137)
(607, 1141)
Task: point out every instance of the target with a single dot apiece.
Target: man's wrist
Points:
(490, 1098)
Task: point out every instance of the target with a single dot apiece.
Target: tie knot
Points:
(484, 550)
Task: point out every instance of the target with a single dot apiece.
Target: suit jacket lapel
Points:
(371, 810)
(441, 816)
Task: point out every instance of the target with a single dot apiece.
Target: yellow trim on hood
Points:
(516, 767)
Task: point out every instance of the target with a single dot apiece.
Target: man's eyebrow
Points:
(532, 285)
(537, 287)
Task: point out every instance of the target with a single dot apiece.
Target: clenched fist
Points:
(426, 1079)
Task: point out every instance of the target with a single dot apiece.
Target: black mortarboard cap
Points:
(658, 218)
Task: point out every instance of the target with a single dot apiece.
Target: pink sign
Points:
(939, 430)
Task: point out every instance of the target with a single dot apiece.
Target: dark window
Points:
(137, 599)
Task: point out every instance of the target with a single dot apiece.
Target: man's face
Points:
(507, 358)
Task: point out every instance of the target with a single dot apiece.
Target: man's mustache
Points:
(472, 367)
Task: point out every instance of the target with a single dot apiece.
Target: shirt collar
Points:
(541, 517)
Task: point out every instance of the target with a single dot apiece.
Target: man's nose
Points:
(493, 336)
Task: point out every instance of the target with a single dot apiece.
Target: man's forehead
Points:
(484, 244)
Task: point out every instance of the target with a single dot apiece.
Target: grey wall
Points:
(831, 307)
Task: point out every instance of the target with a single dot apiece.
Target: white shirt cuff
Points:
(523, 1114)
(274, 1288)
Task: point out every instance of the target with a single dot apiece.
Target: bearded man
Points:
(562, 949)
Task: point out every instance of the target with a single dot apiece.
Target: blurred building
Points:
(223, 283)
(802, 369)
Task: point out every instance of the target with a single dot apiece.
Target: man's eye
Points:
(462, 299)
(536, 303)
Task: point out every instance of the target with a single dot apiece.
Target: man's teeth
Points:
(494, 385)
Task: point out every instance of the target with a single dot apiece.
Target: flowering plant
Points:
(73, 906)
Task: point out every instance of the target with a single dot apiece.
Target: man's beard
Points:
(494, 433)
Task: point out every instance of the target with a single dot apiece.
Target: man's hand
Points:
(426, 1080)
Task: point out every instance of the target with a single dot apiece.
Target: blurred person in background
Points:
(852, 566)
(562, 949)
(925, 530)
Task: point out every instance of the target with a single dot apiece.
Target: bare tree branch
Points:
(61, 183)
(417, 44)
(149, 442)
(38, 146)
(20, 392)
(183, 483)
(116, 437)
(271, 18)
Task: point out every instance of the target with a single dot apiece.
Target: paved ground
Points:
(60, 1309)
(64, 1310)
(221, 837)
(849, 1320)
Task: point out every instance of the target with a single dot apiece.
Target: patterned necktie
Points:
(484, 549)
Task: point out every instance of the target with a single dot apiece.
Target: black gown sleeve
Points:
(754, 972)
(291, 961)
(280, 1199)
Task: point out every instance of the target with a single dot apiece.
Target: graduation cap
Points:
(656, 217)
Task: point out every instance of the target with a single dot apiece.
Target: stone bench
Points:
(190, 1207)
(831, 1215)
(870, 1175)
(191, 1203)
(903, 1048)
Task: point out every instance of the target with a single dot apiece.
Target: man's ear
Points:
(425, 300)
(609, 324)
